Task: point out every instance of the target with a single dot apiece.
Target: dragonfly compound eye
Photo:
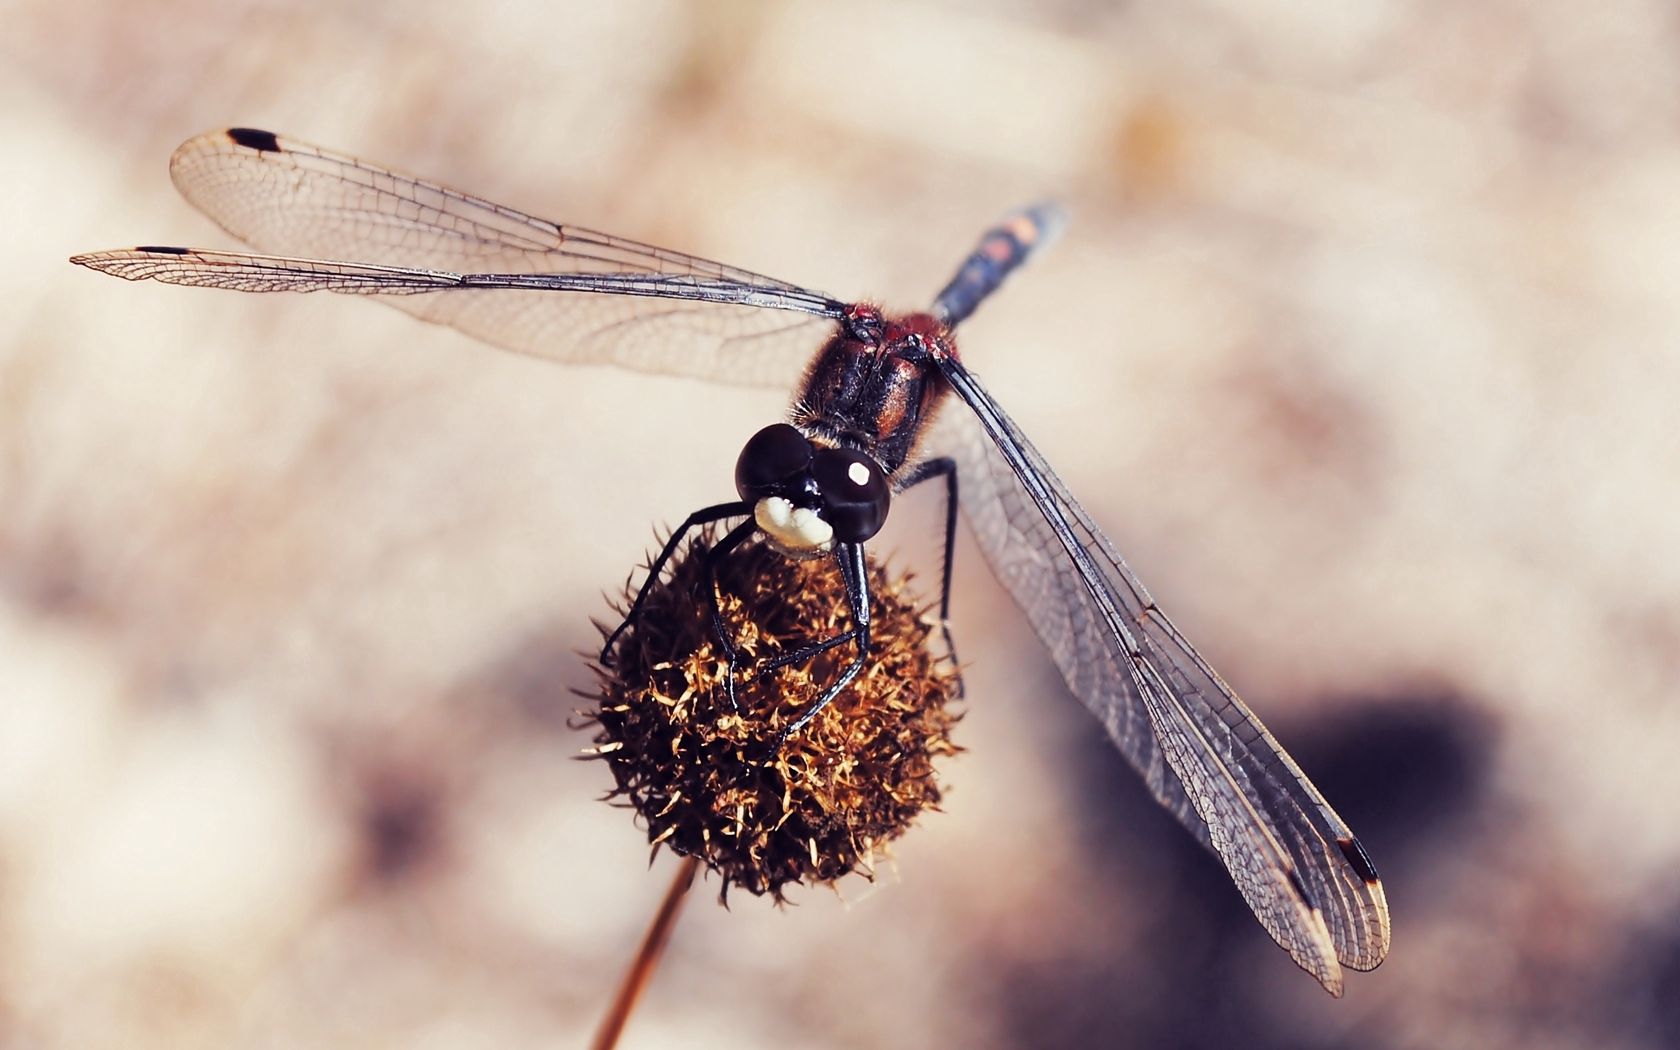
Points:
(854, 492)
(773, 463)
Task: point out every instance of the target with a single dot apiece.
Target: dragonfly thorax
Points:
(874, 386)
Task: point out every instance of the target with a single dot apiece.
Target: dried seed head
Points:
(709, 780)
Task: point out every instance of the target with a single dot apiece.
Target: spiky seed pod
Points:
(709, 781)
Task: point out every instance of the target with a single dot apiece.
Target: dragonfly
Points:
(869, 388)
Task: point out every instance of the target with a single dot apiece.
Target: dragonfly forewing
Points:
(399, 238)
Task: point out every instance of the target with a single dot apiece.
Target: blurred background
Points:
(1362, 344)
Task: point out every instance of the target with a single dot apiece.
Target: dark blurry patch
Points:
(1400, 770)
(401, 823)
(47, 574)
(161, 249)
(1177, 978)
(1650, 975)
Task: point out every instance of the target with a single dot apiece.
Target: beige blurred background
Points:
(1364, 343)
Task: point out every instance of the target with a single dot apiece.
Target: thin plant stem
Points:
(647, 957)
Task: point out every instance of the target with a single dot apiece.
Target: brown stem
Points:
(647, 957)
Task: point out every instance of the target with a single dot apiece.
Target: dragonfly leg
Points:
(852, 570)
(700, 517)
(943, 467)
(708, 579)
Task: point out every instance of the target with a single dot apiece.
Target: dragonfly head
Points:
(806, 498)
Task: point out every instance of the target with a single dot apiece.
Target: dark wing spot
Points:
(155, 249)
(251, 138)
(1356, 856)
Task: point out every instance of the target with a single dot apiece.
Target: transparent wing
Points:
(1201, 750)
(630, 304)
(205, 268)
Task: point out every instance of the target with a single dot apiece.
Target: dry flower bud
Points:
(709, 780)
